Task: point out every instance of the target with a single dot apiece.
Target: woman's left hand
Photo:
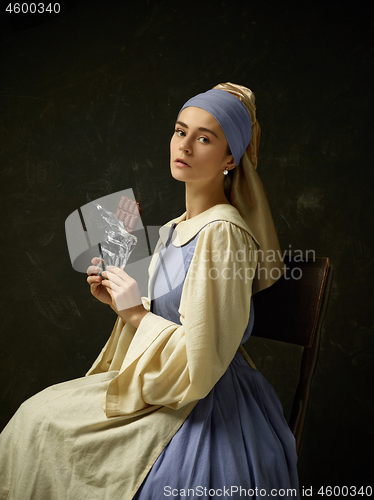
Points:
(126, 299)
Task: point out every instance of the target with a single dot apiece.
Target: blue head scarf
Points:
(232, 116)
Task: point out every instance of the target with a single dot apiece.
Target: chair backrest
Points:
(292, 310)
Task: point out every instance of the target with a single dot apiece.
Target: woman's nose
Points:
(184, 146)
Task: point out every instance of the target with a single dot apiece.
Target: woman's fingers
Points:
(94, 278)
(124, 289)
(117, 275)
(96, 261)
(109, 284)
(119, 272)
(108, 288)
(93, 270)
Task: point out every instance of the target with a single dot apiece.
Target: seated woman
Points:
(171, 408)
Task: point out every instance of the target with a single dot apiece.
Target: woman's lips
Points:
(181, 163)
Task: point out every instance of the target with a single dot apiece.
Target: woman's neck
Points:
(201, 198)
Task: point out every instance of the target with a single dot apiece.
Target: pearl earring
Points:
(225, 172)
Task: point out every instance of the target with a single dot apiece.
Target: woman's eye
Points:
(179, 132)
(204, 140)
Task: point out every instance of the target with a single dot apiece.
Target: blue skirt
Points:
(234, 441)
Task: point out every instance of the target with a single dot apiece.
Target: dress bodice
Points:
(168, 279)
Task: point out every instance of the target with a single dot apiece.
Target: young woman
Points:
(171, 408)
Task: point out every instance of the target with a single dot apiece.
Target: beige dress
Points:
(97, 437)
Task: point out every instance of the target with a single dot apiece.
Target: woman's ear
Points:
(230, 163)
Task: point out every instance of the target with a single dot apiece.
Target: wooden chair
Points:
(292, 310)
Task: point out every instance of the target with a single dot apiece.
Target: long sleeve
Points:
(166, 364)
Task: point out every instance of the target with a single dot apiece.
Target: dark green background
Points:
(87, 104)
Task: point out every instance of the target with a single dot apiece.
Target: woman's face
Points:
(198, 148)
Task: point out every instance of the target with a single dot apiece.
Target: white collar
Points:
(185, 230)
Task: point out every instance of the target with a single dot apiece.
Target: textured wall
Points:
(87, 106)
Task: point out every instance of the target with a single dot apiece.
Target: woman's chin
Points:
(179, 174)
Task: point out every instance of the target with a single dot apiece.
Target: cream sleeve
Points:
(162, 363)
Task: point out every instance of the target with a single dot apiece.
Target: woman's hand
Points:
(95, 281)
(125, 295)
(119, 290)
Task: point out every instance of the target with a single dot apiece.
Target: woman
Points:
(170, 407)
